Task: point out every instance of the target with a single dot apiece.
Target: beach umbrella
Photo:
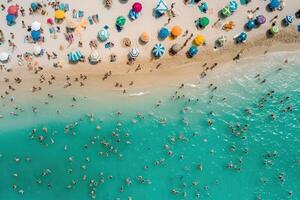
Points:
(35, 35)
(59, 14)
(226, 11)
(10, 19)
(84, 23)
(199, 40)
(203, 22)
(4, 56)
(288, 19)
(163, 33)
(260, 19)
(175, 48)
(222, 40)
(274, 4)
(137, 7)
(161, 7)
(250, 24)
(274, 30)
(233, 5)
(176, 31)
(242, 37)
(158, 50)
(50, 21)
(193, 51)
(36, 26)
(134, 53)
(70, 23)
(133, 15)
(144, 37)
(37, 49)
(34, 6)
(94, 56)
(120, 21)
(103, 34)
(13, 10)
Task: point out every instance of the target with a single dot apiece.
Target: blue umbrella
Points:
(10, 19)
(35, 35)
(163, 33)
(133, 15)
(288, 19)
(250, 24)
(233, 5)
(158, 50)
(242, 37)
(34, 6)
(274, 4)
(193, 51)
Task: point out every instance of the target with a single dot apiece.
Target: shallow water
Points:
(167, 151)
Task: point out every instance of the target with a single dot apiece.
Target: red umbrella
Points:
(50, 21)
(137, 7)
(13, 10)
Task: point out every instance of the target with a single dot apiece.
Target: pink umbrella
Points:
(50, 21)
(13, 10)
(137, 7)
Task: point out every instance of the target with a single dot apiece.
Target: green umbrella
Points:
(274, 30)
(121, 21)
(204, 21)
(226, 11)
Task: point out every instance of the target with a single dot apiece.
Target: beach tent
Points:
(59, 14)
(120, 21)
(175, 48)
(222, 40)
(260, 19)
(36, 26)
(37, 50)
(158, 50)
(203, 22)
(274, 30)
(137, 7)
(134, 53)
(233, 6)
(242, 37)
(144, 37)
(34, 6)
(4, 56)
(176, 31)
(288, 20)
(10, 19)
(13, 10)
(226, 11)
(163, 33)
(161, 8)
(192, 51)
(35, 35)
(250, 24)
(103, 34)
(94, 57)
(199, 40)
(274, 4)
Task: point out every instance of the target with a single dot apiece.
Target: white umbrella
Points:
(4, 56)
(36, 26)
(94, 56)
(134, 53)
(37, 50)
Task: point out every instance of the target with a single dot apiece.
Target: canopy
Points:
(10, 18)
(222, 40)
(103, 34)
(274, 4)
(161, 7)
(193, 51)
(226, 11)
(203, 22)
(35, 35)
(233, 5)
(250, 24)
(37, 49)
(13, 10)
(34, 6)
(137, 7)
(35, 26)
(274, 30)
(134, 53)
(4, 56)
(59, 14)
(199, 40)
(158, 50)
(260, 19)
(175, 48)
(163, 33)
(71, 24)
(176, 31)
(94, 56)
(120, 21)
(144, 37)
(289, 19)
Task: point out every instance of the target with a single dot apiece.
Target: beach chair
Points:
(90, 20)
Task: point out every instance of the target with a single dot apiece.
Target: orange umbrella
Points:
(13, 10)
(176, 31)
(144, 37)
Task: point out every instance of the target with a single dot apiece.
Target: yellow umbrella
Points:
(59, 14)
(199, 40)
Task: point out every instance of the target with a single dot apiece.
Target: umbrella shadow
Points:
(123, 1)
(220, 15)
(269, 34)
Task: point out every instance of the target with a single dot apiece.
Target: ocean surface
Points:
(232, 135)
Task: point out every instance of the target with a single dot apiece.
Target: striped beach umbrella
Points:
(233, 6)
(226, 11)
(134, 53)
(274, 30)
(120, 21)
(158, 50)
(289, 19)
(103, 35)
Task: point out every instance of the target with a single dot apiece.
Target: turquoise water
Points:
(162, 146)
